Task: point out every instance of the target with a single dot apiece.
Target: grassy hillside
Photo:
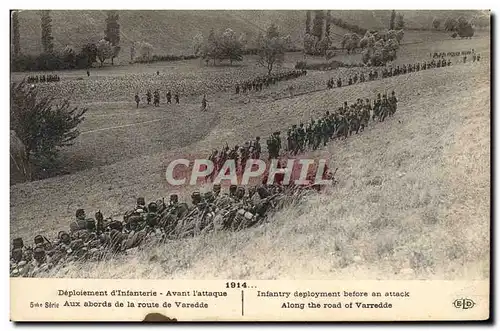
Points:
(412, 201)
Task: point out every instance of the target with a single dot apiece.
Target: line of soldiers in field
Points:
(240, 154)
(258, 83)
(98, 238)
(340, 123)
(94, 239)
(43, 79)
(156, 98)
(452, 54)
(387, 72)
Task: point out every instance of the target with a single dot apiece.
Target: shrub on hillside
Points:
(49, 62)
(381, 53)
(41, 125)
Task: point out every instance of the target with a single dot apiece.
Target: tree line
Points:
(70, 57)
(461, 27)
(378, 47)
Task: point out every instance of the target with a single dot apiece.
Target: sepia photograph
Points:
(290, 145)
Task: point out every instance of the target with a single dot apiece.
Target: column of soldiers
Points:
(155, 98)
(98, 238)
(94, 239)
(43, 79)
(387, 72)
(240, 154)
(452, 54)
(343, 122)
(258, 83)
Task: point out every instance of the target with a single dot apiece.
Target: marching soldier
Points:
(137, 100)
(204, 103)
(157, 98)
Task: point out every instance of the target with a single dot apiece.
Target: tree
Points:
(464, 28)
(481, 21)
(317, 29)
(230, 47)
(132, 52)
(47, 39)
(436, 23)
(41, 125)
(310, 42)
(327, 23)
(400, 23)
(104, 50)
(323, 45)
(112, 33)
(308, 22)
(90, 51)
(198, 42)
(393, 20)
(243, 40)
(350, 42)
(272, 49)
(16, 36)
(211, 47)
(220, 46)
(145, 50)
(400, 35)
(69, 56)
(367, 41)
(450, 24)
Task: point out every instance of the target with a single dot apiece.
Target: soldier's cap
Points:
(134, 219)
(80, 212)
(173, 195)
(257, 138)
(233, 187)
(141, 201)
(196, 194)
(18, 242)
(17, 252)
(217, 186)
(38, 239)
(153, 207)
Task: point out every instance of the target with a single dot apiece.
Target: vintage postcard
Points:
(250, 165)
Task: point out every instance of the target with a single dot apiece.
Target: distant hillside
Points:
(172, 31)
(414, 19)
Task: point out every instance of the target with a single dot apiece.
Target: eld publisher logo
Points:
(464, 303)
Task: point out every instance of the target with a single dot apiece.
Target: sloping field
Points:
(412, 199)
